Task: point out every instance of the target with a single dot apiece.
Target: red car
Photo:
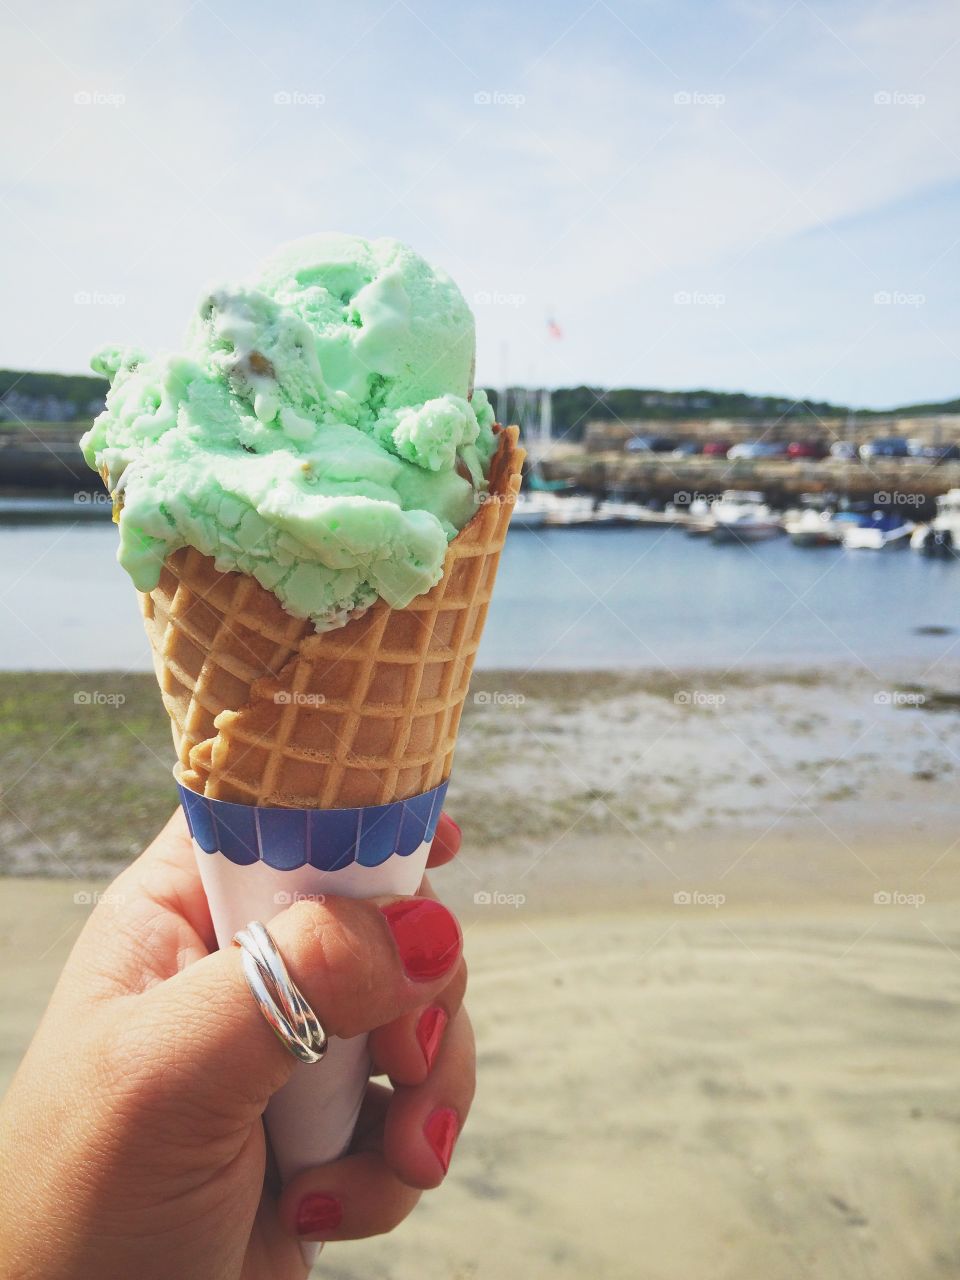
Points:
(806, 449)
(715, 449)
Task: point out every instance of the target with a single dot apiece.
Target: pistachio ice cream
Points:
(319, 431)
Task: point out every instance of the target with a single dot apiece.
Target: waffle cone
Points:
(266, 711)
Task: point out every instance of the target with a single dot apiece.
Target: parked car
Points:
(716, 448)
(686, 449)
(885, 447)
(806, 449)
(757, 449)
(941, 452)
(651, 444)
(845, 450)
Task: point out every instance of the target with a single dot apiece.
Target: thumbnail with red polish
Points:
(427, 937)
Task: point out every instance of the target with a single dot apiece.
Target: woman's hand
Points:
(131, 1143)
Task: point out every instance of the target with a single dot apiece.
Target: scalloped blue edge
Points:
(328, 839)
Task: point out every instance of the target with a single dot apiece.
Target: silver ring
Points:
(278, 998)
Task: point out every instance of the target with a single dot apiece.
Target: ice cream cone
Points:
(267, 712)
(273, 720)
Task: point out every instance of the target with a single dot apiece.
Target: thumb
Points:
(359, 963)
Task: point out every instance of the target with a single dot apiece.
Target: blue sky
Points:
(737, 195)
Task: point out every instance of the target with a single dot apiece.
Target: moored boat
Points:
(813, 529)
(878, 532)
(941, 537)
(530, 511)
(743, 517)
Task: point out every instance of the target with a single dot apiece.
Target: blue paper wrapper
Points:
(327, 839)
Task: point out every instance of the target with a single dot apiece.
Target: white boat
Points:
(535, 509)
(618, 512)
(812, 528)
(530, 511)
(567, 510)
(941, 537)
(696, 517)
(743, 516)
(878, 532)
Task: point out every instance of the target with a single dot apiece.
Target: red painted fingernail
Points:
(427, 937)
(318, 1212)
(441, 1131)
(430, 1028)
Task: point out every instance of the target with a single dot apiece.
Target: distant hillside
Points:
(49, 397)
(574, 407)
(919, 410)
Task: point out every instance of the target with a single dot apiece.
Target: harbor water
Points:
(584, 598)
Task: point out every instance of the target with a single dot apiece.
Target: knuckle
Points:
(338, 958)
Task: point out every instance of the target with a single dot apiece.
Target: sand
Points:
(666, 1090)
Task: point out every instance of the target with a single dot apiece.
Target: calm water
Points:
(587, 598)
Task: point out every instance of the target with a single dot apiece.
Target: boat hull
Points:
(741, 531)
(937, 543)
(810, 538)
(528, 520)
(876, 539)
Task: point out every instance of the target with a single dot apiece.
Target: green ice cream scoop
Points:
(319, 431)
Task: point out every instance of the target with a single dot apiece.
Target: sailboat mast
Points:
(546, 417)
(503, 408)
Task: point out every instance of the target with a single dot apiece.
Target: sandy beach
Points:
(715, 972)
(673, 1092)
